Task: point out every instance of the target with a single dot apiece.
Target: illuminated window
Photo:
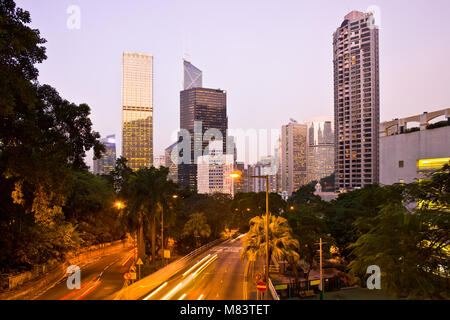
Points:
(432, 164)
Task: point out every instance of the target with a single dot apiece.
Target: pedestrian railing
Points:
(272, 291)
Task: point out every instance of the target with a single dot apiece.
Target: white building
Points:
(214, 174)
(406, 154)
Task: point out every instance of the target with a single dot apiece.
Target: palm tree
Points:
(197, 227)
(282, 244)
(146, 193)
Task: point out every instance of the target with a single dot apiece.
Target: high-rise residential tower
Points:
(106, 163)
(137, 109)
(204, 109)
(193, 77)
(320, 162)
(293, 157)
(171, 162)
(356, 101)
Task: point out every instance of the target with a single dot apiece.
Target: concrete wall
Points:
(410, 147)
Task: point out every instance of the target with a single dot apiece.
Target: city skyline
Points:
(399, 41)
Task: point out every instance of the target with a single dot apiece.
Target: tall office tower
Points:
(356, 101)
(203, 109)
(293, 157)
(193, 77)
(108, 160)
(171, 162)
(241, 185)
(264, 167)
(137, 109)
(320, 161)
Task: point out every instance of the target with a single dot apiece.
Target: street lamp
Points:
(119, 205)
(234, 175)
(267, 227)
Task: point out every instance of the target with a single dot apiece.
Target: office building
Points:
(356, 101)
(407, 154)
(171, 162)
(193, 77)
(202, 109)
(107, 162)
(214, 171)
(320, 160)
(293, 157)
(137, 109)
(159, 161)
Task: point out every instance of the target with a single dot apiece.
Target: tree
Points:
(308, 227)
(197, 227)
(409, 239)
(282, 244)
(304, 195)
(146, 193)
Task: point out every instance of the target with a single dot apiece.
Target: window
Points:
(401, 164)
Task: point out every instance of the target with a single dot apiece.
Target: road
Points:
(217, 274)
(99, 278)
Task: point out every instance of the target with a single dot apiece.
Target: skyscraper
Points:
(206, 108)
(293, 157)
(137, 109)
(356, 101)
(193, 77)
(108, 160)
(171, 164)
(320, 162)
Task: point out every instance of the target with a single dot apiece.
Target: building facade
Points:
(407, 155)
(320, 161)
(137, 109)
(159, 161)
(106, 163)
(171, 162)
(214, 171)
(356, 101)
(193, 77)
(293, 157)
(201, 110)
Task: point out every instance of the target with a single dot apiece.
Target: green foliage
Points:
(197, 228)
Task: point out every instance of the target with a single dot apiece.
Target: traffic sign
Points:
(261, 286)
(139, 262)
(167, 254)
(129, 276)
(258, 277)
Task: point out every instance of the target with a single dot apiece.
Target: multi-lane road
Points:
(217, 274)
(99, 278)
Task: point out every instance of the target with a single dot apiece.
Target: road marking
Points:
(153, 293)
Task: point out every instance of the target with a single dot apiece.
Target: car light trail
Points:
(172, 292)
(89, 290)
(182, 297)
(187, 272)
(204, 266)
(201, 297)
(154, 292)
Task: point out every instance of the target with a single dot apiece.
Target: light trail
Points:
(201, 297)
(182, 297)
(187, 272)
(204, 266)
(154, 292)
(172, 292)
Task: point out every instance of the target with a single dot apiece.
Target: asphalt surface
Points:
(217, 274)
(99, 278)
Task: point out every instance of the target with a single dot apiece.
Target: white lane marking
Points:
(154, 292)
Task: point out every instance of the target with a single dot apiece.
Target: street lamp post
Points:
(267, 228)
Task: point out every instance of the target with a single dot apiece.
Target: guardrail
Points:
(272, 291)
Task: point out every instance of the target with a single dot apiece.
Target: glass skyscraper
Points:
(207, 107)
(137, 109)
(106, 163)
(193, 77)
